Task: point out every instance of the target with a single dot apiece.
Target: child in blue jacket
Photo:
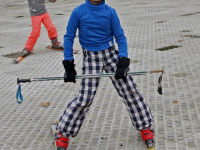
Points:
(98, 25)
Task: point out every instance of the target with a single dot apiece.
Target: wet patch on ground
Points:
(12, 55)
(186, 31)
(183, 75)
(167, 48)
(59, 14)
(191, 14)
(191, 36)
(138, 4)
(133, 61)
(161, 21)
(10, 5)
(19, 16)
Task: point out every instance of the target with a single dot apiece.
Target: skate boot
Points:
(25, 52)
(61, 142)
(147, 136)
(56, 44)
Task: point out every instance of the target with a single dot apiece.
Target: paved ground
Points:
(149, 25)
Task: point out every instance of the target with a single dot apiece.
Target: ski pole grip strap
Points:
(19, 95)
(23, 80)
(156, 71)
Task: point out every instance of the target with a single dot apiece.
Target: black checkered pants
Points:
(94, 63)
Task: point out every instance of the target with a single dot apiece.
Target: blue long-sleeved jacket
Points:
(98, 25)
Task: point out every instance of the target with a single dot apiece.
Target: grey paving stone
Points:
(148, 25)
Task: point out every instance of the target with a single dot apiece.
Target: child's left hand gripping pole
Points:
(19, 94)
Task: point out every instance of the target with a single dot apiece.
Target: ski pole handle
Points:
(23, 80)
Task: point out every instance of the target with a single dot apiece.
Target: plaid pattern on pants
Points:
(94, 63)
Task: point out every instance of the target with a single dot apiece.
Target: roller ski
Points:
(147, 136)
(25, 53)
(61, 142)
(75, 51)
(58, 46)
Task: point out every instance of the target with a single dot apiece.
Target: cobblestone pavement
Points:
(160, 33)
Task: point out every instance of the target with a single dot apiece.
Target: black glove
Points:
(122, 68)
(70, 72)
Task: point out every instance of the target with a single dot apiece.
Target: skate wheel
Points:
(61, 148)
(149, 144)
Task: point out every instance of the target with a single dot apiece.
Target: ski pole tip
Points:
(160, 90)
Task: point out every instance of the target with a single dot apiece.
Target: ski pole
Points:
(77, 77)
(19, 95)
(87, 76)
